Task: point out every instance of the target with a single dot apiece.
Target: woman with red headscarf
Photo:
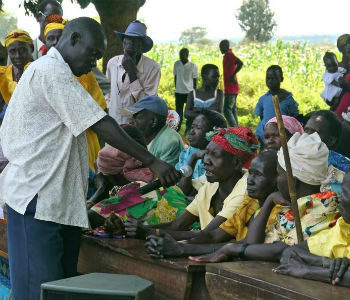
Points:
(219, 198)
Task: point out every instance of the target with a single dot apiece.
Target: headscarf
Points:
(173, 119)
(308, 157)
(18, 35)
(239, 141)
(55, 18)
(290, 123)
(53, 26)
(342, 41)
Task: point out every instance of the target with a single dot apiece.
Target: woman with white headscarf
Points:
(318, 210)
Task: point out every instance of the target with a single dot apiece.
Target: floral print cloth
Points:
(156, 207)
(317, 212)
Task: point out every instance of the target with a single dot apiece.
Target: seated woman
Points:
(218, 199)
(271, 133)
(206, 121)
(324, 256)
(330, 129)
(206, 97)
(318, 210)
(126, 174)
(261, 182)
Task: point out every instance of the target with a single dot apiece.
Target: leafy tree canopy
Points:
(257, 20)
(192, 35)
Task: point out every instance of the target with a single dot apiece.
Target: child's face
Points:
(211, 79)
(273, 80)
(331, 64)
(200, 126)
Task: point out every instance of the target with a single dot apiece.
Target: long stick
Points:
(291, 186)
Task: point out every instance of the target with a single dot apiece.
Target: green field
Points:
(302, 65)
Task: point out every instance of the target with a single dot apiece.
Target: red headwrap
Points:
(54, 18)
(240, 141)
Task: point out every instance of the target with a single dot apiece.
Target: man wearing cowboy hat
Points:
(133, 76)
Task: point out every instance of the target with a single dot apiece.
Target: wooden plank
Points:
(255, 280)
(224, 288)
(173, 279)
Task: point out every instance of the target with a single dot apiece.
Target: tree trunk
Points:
(115, 15)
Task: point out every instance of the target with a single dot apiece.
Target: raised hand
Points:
(166, 173)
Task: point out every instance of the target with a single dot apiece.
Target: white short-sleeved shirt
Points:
(123, 93)
(43, 137)
(185, 73)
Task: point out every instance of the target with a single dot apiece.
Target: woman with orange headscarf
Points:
(20, 47)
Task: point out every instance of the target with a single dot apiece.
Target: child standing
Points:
(264, 108)
(332, 89)
(185, 76)
(206, 97)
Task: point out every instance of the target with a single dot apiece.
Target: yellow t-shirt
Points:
(237, 225)
(89, 82)
(7, 84)
(333, 242)
(200, 206)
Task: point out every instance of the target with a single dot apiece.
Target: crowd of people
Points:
(83, 149)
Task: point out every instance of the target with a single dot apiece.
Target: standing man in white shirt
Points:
(43, 136)
(185, 75)
(132, 75)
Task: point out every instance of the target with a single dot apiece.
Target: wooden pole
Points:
(291, 185)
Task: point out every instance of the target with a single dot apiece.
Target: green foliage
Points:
(256, 20)
(301, 63)
(8, 22)
(30, 6)
(194, 34)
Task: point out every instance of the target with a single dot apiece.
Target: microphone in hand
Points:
(185, 171)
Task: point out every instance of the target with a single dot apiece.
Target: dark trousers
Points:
(230, 109)
(39, 251)
(180, 100)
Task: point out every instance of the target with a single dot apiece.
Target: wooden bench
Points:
(255, 280)
(173, 278)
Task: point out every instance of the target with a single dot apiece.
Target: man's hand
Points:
(233, 79)
(129, 64)
(163, 246)
(166, 173)
(134, 228)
